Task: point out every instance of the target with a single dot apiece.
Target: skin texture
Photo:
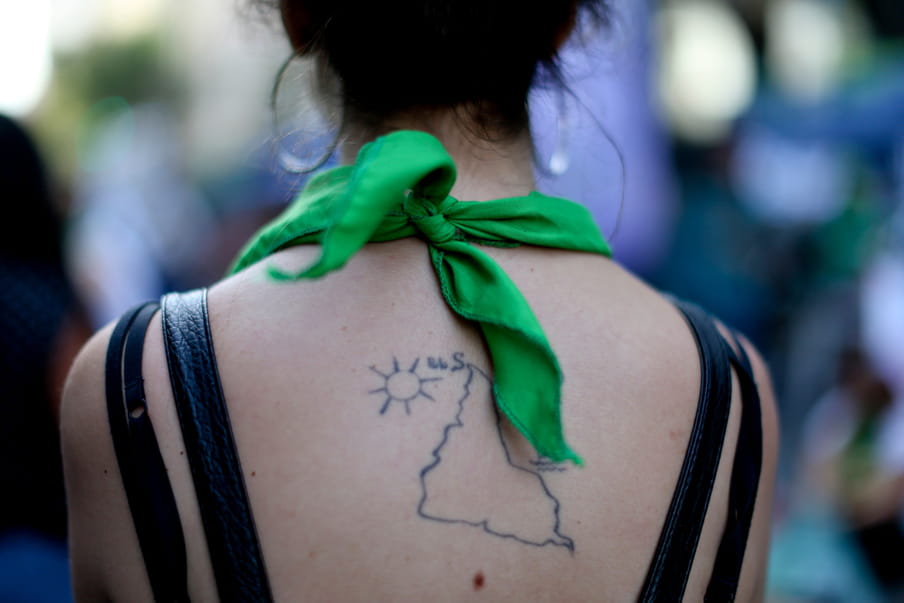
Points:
(335, 485)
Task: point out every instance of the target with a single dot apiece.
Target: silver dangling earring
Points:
(314, 125)
(570, 109)
(559, 159)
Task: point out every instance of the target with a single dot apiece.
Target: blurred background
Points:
(744, 154)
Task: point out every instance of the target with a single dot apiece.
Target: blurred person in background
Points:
(137, 220)
(42, 326)
(851, 475)
(398, 420)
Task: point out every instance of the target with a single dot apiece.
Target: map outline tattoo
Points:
(535, 469)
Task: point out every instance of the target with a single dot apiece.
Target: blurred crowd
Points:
(747, 155)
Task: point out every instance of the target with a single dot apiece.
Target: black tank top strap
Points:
(144, 477)
(232, 541)
(674, 556)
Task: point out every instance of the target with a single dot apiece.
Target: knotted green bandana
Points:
(399, 187)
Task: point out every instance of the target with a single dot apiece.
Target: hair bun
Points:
(393, 57)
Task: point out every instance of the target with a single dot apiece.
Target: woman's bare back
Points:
(377, 466)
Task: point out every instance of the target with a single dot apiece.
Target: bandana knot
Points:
(430, 218)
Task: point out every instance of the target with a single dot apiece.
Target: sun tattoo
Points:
(402, 386)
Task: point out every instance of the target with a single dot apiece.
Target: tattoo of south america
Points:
(501, 495)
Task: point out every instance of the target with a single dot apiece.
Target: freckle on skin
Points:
(478, 580)
(253, 473)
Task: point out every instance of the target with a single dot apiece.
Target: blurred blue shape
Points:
(33, 570)
(814, 559)
(867, 112)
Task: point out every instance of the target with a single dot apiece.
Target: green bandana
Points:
(399, 187)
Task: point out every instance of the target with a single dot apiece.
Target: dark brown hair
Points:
(399, 56)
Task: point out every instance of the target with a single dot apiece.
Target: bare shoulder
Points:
(633, 373)
(86, 443)
(102, 541)
(84, 386)
(88, 464)
(660, 311)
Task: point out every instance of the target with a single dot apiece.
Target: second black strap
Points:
(235, 551)
(745, 479)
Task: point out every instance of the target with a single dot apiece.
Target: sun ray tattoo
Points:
(402, 386)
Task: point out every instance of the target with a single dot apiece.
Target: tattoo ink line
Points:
(543, 464)
(484, 524)
(402, 386)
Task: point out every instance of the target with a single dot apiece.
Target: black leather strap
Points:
(674, 556)
(235, 551)
(144, 476)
